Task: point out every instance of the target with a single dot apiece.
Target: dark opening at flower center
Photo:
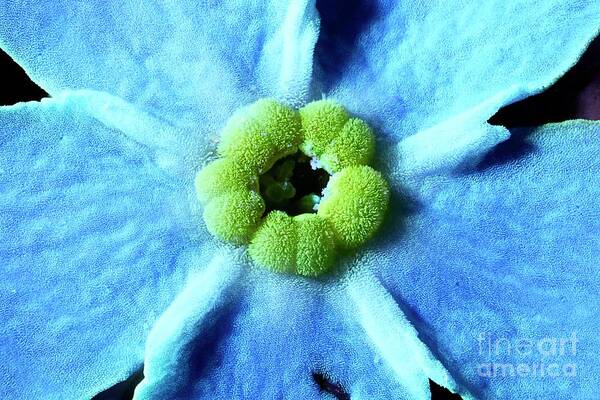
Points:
(293, 185)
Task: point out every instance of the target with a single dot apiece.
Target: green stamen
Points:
(307, 204)
(355, 203)
(275, 243)
(290, 180)
(234, 217)
(322, 120)
(265, 192)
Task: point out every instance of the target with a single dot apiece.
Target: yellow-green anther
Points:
(316, 245)
(234, 216)
(274, 243)
(275, 192)
(303, 244)
(288, 189)
(258, 171)
(322, 121)
(307, 204)
(354, 204)
(222, 176)
(285, 170)
(259, 134)
(354, 145)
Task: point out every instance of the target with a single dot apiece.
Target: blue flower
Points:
(106, 263)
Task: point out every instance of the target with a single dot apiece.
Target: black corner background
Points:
(17, 85)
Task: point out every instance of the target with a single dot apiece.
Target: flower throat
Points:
(293, 185)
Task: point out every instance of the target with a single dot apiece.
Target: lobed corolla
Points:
(354, 201)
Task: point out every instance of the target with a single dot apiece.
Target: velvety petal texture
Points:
(95, 242)
(408, 66)
(498, 264)
(239, 332)
(176, 59)
(493, 260)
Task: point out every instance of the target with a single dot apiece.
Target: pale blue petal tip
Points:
(177, 60)
(416, 64)
(92, 248)
(504, 252)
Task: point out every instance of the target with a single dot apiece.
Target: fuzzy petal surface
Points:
(407, 66)
(497, 264)
(240, 332)
(174, 59)
(95, 242)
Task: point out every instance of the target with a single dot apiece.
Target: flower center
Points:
(293, 185)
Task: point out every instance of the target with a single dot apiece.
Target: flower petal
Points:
(94, 244)
(266, 335)
(173, 59)
(406, 66)
(394, 338)
(498, 263)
